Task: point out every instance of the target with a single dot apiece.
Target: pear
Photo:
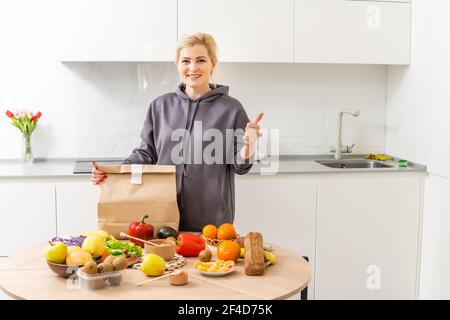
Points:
(90, 268)
(120, 263)
(78, 258)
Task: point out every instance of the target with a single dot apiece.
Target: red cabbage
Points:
(70, 241)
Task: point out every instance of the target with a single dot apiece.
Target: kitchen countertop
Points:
(269, 165)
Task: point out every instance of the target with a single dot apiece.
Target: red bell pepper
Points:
(189, 245)
(141, 230)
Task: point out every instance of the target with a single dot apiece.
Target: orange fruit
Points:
(226, 232)
(210, 231)
(228, 250)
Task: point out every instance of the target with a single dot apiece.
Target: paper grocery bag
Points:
(132, 191)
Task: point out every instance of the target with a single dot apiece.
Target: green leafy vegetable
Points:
(117, 248)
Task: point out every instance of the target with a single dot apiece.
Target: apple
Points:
(153, 265)
(56, 252)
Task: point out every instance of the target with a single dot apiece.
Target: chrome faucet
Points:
(338, 154)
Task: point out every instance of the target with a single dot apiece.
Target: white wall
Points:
(97, 109)
(418, 114)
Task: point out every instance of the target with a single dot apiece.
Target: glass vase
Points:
(27, 152)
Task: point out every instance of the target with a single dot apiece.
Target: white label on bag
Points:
(136, 174)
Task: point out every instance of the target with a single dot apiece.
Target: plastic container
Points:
(99, 281)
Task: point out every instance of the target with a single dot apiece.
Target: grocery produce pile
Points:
(97, 252)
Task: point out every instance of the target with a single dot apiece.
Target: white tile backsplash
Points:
(97, 109)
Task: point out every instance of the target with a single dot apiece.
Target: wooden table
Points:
(27, 276)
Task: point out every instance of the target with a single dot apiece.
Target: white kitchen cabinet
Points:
(3, 295)
(435, 264)
(368, 234)
(76, 207)
(342, 31)
(283, 208)
(405, 1)
(117, 30)
(28, 215)
(245, 30)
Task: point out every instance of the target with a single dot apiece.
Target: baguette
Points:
(254, 254)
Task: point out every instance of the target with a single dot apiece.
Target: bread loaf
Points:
(254, 254)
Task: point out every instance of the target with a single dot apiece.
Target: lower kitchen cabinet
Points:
(368, 236)
(76, 207)
(283, 208)
(28, 215)
(3, 295)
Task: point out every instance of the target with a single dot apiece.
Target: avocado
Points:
(166, 231)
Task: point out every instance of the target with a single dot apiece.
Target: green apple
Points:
(153, 265)
(56, 252)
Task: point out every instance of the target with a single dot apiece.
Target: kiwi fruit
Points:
(109, 259)
(205, 255)
(105, 267)
(120, 263)
(90, 268)
(115, 281)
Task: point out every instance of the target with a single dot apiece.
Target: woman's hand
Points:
(97, 175)
(250, 136)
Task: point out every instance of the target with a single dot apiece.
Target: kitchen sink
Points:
(354, 164)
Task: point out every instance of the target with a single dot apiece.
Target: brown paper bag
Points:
(122, 201)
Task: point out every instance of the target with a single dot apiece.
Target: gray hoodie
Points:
(205, 191)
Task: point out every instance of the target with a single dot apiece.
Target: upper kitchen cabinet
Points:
(117, 30)
(245, 30)
(341, 31)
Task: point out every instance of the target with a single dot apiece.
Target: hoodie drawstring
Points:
(188, 128)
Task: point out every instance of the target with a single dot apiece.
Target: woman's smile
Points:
(194, 76)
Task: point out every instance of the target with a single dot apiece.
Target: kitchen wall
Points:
(97, 109)
(417, 129)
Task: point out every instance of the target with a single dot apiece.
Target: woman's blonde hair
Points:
(189, 40)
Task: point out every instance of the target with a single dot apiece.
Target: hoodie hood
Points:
(216, 91)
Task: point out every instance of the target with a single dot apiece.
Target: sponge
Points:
(380, 157)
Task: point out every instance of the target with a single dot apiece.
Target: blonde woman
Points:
(178, 130)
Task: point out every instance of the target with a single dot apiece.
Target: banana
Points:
(269, 258)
